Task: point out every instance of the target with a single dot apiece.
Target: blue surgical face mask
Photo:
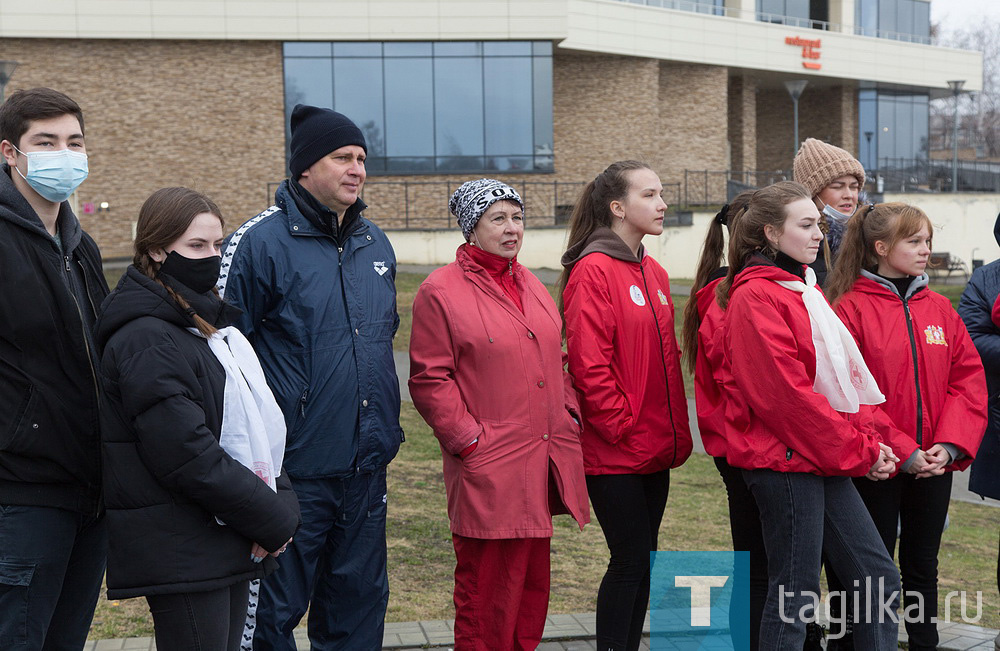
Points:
(55, 174)
(835, 214)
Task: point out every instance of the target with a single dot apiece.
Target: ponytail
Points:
(593, 210)
(712, 258)
(766, 207)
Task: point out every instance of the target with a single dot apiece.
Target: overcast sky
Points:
(954, 14)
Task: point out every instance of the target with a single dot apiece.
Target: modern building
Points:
(542, 93)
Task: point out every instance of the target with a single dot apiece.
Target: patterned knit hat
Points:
(472, 199)
(818, 163)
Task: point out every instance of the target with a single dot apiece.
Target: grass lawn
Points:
(421, 559)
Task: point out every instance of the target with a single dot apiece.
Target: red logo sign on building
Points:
(810, 50)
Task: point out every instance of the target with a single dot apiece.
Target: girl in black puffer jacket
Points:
(189, 525)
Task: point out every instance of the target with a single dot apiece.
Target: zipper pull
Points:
(66, 261)
(510, 267)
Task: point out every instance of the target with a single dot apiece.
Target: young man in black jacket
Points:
(52, 535)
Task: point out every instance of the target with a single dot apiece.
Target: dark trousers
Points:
(803, 517)
(918, 508)
(501, 593)
(745, 526)
(203, 621)
(51, 565)
(629, 508)
(336, 567)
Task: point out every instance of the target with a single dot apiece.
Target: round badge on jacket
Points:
(636, 295)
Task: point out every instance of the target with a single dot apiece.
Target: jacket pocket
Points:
(15, 579)
(17, 398)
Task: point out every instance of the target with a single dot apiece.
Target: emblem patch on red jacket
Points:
(636, 295)
(935, 335)
(663, 297)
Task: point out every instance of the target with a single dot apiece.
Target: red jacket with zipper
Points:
(480, 368)
(941, 398)
(624, 359)
(774, 418)
(710, 371)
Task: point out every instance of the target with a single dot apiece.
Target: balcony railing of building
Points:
(779, 19)
(423, 205)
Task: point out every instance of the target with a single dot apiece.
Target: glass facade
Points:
(460, 106)
(892, 127)
(904, 20)
(801, 13)
(712, 7)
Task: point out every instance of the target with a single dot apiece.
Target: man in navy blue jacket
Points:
(976, 307)
(316, 283)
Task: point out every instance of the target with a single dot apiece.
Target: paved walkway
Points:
(562, 633)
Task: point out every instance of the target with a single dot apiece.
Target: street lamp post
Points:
(956, 88)
(6, 71)
(868, 137)
(795, 89)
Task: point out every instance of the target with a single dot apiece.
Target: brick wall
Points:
(203, 114)
(827, 113)
(743, 122)
(209, 115)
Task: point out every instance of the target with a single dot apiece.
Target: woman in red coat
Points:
(798, 422)
(625, 362)
(486, 373)
(923, 359)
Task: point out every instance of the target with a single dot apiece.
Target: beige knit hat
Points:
(818, 163)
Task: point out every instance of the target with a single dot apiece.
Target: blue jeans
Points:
(805, 516)
(336, 567)
(51, 566)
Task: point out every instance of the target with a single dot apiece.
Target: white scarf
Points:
(841, 373)
(253, 427)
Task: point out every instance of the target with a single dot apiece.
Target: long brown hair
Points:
(766, 208)
(881, 222)
(593, 209)
(163, 218)
(712, 257)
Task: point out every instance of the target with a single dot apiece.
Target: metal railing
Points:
(413, 204)
(934, 175)
(780, 19)
(716, 187)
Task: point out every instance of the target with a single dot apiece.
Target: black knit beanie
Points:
(316, 132)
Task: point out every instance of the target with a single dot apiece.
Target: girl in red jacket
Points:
(625, 363)
(923, 359)
(797, 421)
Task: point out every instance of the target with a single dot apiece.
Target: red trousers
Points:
(501, 593)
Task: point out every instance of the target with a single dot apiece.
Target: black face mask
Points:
(199, 275)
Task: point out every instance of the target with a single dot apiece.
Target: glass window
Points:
(900, 132)
(409, 107)
(357, 89)
(922, 21)
(456, 106)
(405, 49)
(308, 81)
(307, 49)
(867, 128)
(458, 98)
(357, 49)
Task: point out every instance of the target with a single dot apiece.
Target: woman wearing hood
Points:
(192, 438)
(625, 362)
(486, 373)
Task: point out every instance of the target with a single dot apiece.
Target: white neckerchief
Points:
(841, 373)
(253, 427)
